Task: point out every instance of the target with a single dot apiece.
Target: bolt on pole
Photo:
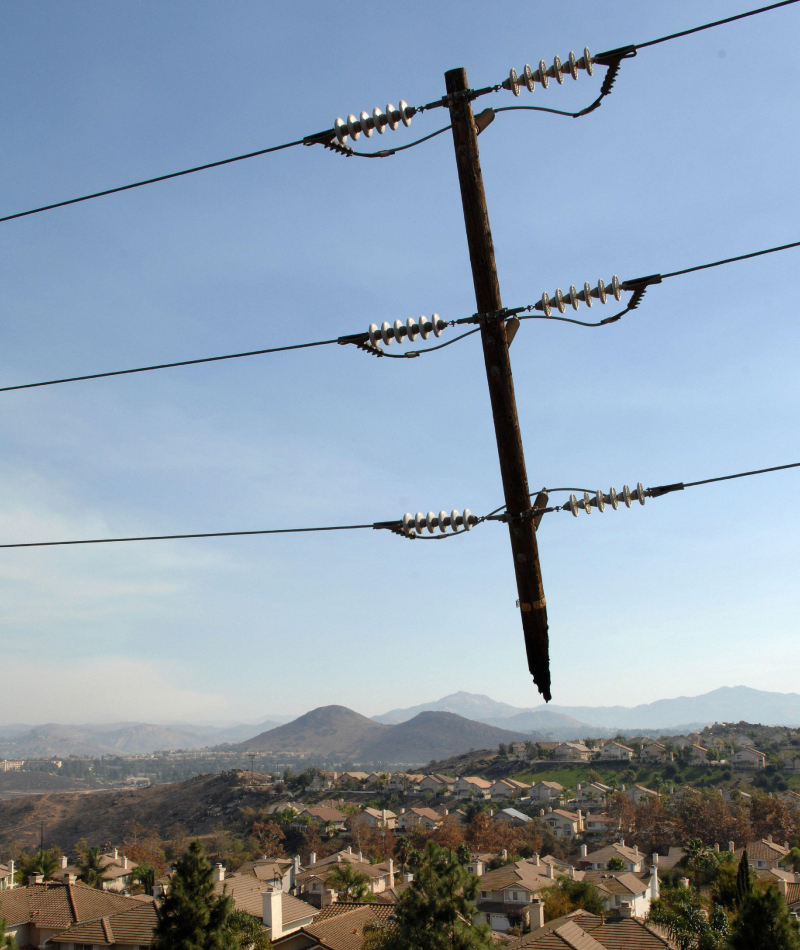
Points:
(532, 604)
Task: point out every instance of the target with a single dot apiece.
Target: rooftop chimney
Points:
(11, 883)
(349, 849)
(37, 878)
(124, 864)
(550, 871)
(655, 888)
(769, 838)
(537, 914)
(219, 872)
(360, 858)
(504, 854)
(297, 864)
(535, 859)
(636, 849)
(272, 912)
(654, 859)
(731, 846)
(626, 909)
(391, 873)
(63, 861)
(115, 854)
(312, 858)
(584, 850)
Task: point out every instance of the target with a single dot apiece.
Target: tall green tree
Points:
(91, 871)
(248, 931)
(436, 912)
(192, 917)
(351, 884)
(763, 923)
(44, 861)
(7, 941)
(687, 922)
(744, 886)
(145, 874)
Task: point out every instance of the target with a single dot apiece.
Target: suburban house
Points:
(637, 792)
(328, 819)
(632, 858)
(583, 930)
(128, 930)
(599, 823)
(278, 911)
(513, 817)
(749, 758)
(765, 853)
(438, 784)
(279, 872)
(591, 795)
(546, 792)
(117, 871)
(379, 818)
(698, 752)
(426, 817)
(471, 785)
(336, 927)
(564, 824)
(313, 881)
(7, 876)
(572, 752)
(616, 752)
(620, 888)
(655, 752)
(506, 894)
(37, 913)
(508, 788)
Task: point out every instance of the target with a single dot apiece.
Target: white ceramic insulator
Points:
(408, 523)
(639, 493)
(393, 119)
(587, 503)
(600, 501)
(353, 127)
(587, 293)
(555, 71)
(424, 328)
(365, 121)
(411, 330)
(468, 519)
(340, 128)
(419, 522)
(546, 304)
(527, 76)
(616, 289)
(541, 73)
(431, 522)
(374, 334)
(443, 522)
(586, 61)
(626, 495)
(455, 518)
(573, 297)
(379, 119)
(399, 331)
(513, 81)
(405, 113)
(386, 332)
(437, 324)
(573, 505)
(612, 495)
(600, 291)
(572, 65)
(559, 298)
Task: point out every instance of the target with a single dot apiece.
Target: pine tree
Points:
(763, 923)
(744, 886)
(192, 917)
(436, 912)
(7, 941)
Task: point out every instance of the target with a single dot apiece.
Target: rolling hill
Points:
(432, 735)
(326, 730)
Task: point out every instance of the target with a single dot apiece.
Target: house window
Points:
(761, 864)
(514, 896)
(82, 946)
(484, 893)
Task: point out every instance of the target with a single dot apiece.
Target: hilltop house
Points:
(749, 758)
(513, 817)
(591, 795)
(655, 752)
(438, 784)
(622, 888)
(632, 858)
(637, 792)
(564, 824)
(379, 818)
(427, 818)
(507, 788)
(546, 792)
(329, 820)
(572, 752)
(616, 752)
(471, 786)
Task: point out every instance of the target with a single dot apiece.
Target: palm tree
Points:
(90, 867)
(43, 862)
(351, 885)
(401, 848)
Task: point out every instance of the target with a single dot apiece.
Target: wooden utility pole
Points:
(501, 385)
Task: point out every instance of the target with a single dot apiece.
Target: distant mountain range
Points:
(339, 731)
(727, 704)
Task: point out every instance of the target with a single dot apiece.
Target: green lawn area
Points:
(569, 775)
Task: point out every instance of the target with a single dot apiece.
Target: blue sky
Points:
(691, 159)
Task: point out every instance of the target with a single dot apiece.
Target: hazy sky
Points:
(693, 158)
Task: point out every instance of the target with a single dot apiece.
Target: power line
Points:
(725, 478)
(708, 26)
(637, 285)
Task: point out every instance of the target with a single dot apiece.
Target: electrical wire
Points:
(725, 478)
(708, 26)
(147, 369)
(177, 537)
(385, 153)
(151, 181)
(731, 260)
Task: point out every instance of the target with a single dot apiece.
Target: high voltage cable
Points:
(361, 339)
(611, 59)
(404, 526)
